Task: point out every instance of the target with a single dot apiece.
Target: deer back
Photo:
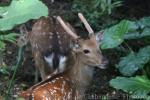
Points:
(50, 45)
(58, 87)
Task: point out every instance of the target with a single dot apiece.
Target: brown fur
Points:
(71, 84)
(45, 37)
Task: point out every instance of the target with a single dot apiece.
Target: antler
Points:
(86, 24)
(67, 29)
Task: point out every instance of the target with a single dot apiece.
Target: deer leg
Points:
(36, 75)
(40, 66)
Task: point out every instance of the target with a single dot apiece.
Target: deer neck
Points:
(80, 73)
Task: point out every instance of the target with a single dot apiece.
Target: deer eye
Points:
(86, 51)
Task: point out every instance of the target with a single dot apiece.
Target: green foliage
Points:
(114, 35)
(145, 22)
(96, 10)
(20, 99)
(11, 37)
(21, 11)
(144, 29)
(126, 29)
(128, 65)
(19, 62)
(132, 62)
(3, 10)
(107, 6)
(2, 45)
(145, 32)
(18, 12)
(5, 70)
(100, 6)
(137, 86)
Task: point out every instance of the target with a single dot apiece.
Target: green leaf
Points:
(3, 10)
(138, 85)
(11, 37)
(4, 70)
(2, 45)
(131, 63)
(21, 11)
(136, 35)
(146, 32)
(20, 99)
(144, 22)
(114, 35)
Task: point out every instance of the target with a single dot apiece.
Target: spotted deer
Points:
(72, 83)
(50, 46)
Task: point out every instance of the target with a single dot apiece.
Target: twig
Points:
(19, 62)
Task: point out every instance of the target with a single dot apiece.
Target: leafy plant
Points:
(113, 37)
(11, 37)
(18, 12)
(138, 86)
(144, 29)
(107, 6)
(96, 10)
(21, 11)
(125, 29)
(131, 63)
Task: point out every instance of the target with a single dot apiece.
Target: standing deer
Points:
(50, 46)
(72, 83)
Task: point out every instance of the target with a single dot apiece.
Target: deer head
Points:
(87, 49)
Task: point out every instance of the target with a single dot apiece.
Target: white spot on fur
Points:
(59, 42)
(50, 37)
(62, 63)
(36, 45)
(49, 59)
(59, 36)
(54, 91)
(36, 55)
(56, 88)
(53, 81)
(49, 82)
(57, 33)
(69, 95)
(61, 77)
(32, 96)
(56, 71)
(49, 76)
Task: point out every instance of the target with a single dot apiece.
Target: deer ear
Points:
(99, 36)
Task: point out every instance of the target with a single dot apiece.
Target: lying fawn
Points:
(71, 84)
(50, 46)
